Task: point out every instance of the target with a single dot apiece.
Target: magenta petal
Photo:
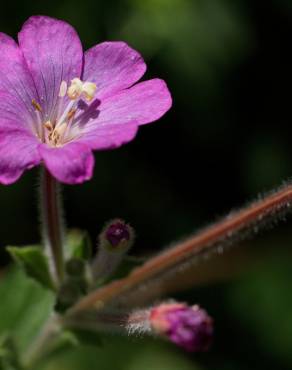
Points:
(15, 114)
(53, 53)
(18, 152)
(15, 77)
(143, 103)
(112, 66)
(109, 137)
(70, 164)
(118, 117)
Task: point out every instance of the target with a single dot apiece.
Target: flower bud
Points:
(116, 236)
(188, 327)
(117, 233)
(113, 243)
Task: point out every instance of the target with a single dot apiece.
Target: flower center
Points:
(56, 131)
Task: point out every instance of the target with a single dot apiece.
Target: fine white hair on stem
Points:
(153, 287)
(52, 223)
(145, 281)
(138, 323)
(135, 323)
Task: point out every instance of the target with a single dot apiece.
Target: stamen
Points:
(36, 105)
(89, 89)
(75, 89)
(56, 132)
(61, 129)
(63, 89)
(71, 113)
(54, 137)
(48, 125)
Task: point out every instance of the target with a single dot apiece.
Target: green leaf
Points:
(25, 307)
(78, 244)
(34, 262)
(87, 337)
(9, 357)
(72, 340)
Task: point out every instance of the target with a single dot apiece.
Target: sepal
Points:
(114, 241)
(75, 284)
(189, 327)
(78, 245)
(35, 263)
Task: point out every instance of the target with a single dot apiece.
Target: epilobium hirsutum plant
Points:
(57, 105)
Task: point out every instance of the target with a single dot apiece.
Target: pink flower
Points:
(188, 327)
(58, 104)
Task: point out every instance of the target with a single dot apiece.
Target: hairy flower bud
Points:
(116, 236)
(188, 327)
(114, 242)
(117, 233)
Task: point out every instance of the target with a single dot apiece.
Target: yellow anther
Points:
(75, 89)
(78, 88)
(36, 105)
(89, 89)
(63, 89)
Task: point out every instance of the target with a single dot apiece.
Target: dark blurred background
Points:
(226, 139)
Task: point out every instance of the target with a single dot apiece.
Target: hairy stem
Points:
(105, 321)
(51, 214)
(133, 322)
(230, 229)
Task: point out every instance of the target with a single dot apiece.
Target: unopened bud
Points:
(188, 327)
(116, 236)
(113, 243)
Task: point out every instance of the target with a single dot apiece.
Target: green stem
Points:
(147, 282)
(52, 223)
(44, 342)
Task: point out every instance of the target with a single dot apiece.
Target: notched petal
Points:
(107, 138)
(71, 164)
(15, 77)
(112, 66)
(53, 53)
(18, 152)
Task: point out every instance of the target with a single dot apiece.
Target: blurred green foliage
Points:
(228, 137)
(24, 309)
